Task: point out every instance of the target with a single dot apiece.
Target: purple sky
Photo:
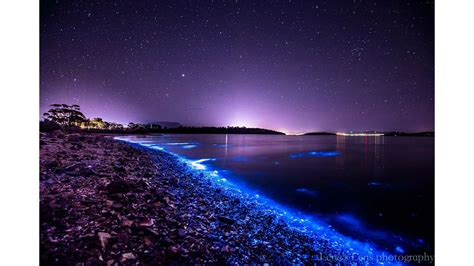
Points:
(295, 66)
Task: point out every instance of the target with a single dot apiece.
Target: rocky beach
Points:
(103, 201)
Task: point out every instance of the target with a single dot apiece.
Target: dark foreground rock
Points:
(106, 202)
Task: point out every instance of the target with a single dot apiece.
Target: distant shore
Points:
(49, 126)
(105, 202)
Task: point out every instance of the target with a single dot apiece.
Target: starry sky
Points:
(294, 66)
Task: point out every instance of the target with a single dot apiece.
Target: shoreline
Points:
(106, 201)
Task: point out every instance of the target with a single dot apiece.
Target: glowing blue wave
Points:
(191, 146)
(308, 192)
(296, 220)
(221, 145)
(315, 154)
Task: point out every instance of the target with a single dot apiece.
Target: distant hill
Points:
(221, 130)
(155, 128)
(319, 134)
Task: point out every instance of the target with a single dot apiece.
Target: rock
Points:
(52, 164)
(74, 137)
(147, 241)
(147, 222)
(117, 205)
(118, 186)
(123, 238)
(120, 169)
(103, 239)
(126, 222)
(225, 249)
(87, 171)
(225, 220)
(147, 174)
(173, 249)
(58, 134)
(153, 232)
(127, 256)
(147, 196)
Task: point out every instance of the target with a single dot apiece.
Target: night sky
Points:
(294, 66)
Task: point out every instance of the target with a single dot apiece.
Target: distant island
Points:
(319, 134)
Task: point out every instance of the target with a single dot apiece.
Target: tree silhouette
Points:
(65, 115)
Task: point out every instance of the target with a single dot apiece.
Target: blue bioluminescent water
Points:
(315, 154)
(353, 191)
(188, 146)
(306, 191)
(379, 184)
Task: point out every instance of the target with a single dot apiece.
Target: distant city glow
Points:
(359, 134)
